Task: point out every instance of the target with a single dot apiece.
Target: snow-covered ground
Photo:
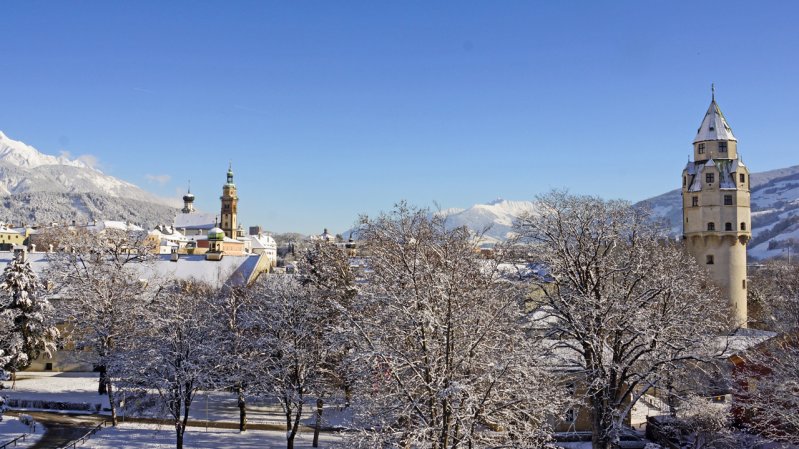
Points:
(11, 428)
(207, 406)
(55, 386)
(130, 436)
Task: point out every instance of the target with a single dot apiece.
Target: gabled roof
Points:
(714, 126)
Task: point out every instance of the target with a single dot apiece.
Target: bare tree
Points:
(767, 375)
(325, 270)
(236, 351)
(292, 344)
(444, 356)
(173, 351)
(98, 278)
(617, 292)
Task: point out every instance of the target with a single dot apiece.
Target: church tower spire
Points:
(716, 208)
(230, 202)
(188, 201)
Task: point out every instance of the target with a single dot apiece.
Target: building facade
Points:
(716, 210)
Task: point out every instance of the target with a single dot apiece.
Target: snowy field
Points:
(55, 386)
(11, 428)
(207, 406)
(134, 436)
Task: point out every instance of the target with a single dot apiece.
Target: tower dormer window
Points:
(711, 226)
(709, 177)
(742, 177)
(722, 147)
(728, 200)
(701, 148)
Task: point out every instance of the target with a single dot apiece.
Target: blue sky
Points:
(331, 109)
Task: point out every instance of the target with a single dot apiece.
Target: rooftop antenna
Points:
(189, 185)
(713, 91)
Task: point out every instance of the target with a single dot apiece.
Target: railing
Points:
(73, 444)
(13, 443)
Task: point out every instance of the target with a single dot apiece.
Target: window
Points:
(722, 147)
(695, 201)
(711, 226)
(728, 226)
(709, 259)
(570, 416)
(701, 148)
(684, 180)
(48, 366)
(743, 284)
(743, 226)
(709, 177)
(728, 200)
(742, 178)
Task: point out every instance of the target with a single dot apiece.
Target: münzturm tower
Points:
(230, 205)
(716, 213)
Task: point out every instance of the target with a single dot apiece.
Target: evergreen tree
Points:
(29, 318)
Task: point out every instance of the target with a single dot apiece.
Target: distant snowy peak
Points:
(496, 216)
(22, 155)
(24, 169)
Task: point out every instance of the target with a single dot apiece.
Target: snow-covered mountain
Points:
(775, 212)
(496, 216)
(37, 188)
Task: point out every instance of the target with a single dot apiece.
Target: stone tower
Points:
(230, 204)
(715, 204)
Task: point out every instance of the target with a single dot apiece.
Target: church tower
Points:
(716, 213)
(230, 204)
(188, 202)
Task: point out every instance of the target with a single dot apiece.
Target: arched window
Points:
(711, 226)
(728, 226)
(743, 226)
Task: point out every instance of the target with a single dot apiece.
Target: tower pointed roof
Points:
(714, 126)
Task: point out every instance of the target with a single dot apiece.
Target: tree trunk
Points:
(102, 387)
(242, 411)
(13, 379)
(318, 423)
(179, 431)
(111, 402)
(600, 438)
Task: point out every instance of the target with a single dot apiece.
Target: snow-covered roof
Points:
(262, 241)
(111, 224)
(714, 126)
(194, 220)
(230, 270)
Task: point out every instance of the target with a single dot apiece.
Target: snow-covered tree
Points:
(237, 352)
(768, 375)
(774, 295)
(28, 321)
(173, 350)
(98, 277)
(444, 358)
(629, 302)
(325, 269)
(293, 348)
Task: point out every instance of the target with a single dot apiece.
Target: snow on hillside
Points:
(497, 216)
(24, 169)
(775, 212)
